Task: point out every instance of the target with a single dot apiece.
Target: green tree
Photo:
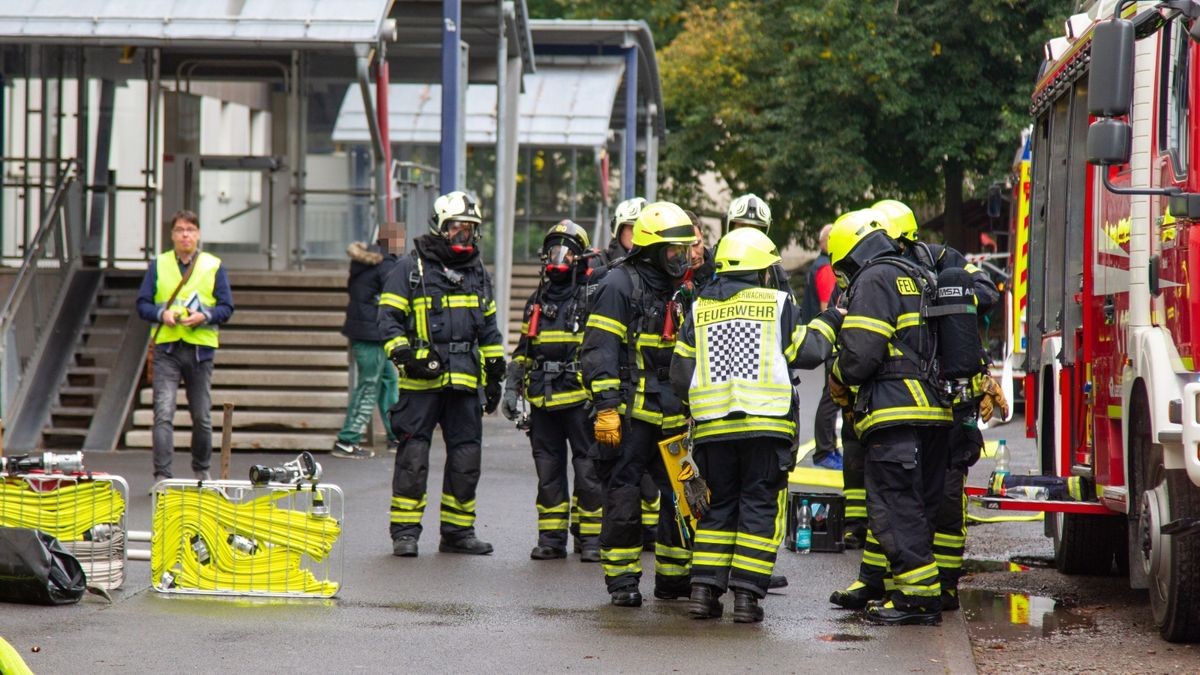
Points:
(824, 106)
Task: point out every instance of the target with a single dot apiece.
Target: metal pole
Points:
(651, 191)
(451, 71)
(387, 214)
(150, 171)
(226, 439)
(629, 154)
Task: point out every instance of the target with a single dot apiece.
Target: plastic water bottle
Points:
(1001, 471)
(804, 529)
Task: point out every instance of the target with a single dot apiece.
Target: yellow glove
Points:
(839, 392)
(608, 427)
(993, 398)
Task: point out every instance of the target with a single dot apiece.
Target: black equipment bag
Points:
(36, 569)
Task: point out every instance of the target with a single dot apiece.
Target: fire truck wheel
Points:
(1086, 544)
(1172, 563)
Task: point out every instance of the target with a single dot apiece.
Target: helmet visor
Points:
(559, 256)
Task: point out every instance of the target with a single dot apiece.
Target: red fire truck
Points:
(1112, 331)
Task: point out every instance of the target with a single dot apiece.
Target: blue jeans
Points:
(174, 362)
(376, 385)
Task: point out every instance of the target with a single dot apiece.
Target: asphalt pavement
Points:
(453, 613)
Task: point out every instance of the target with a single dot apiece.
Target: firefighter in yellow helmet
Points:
(438, 319)
(626, 355)
(964, 439)
(731, 365)
(885, 349)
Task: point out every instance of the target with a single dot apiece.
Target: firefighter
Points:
(964, 439)
(886, 349)
(624, 216)
(731, 364)
(438, 318)
(545, 369)
(626, 356)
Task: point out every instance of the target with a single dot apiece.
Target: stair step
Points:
(302, 377)
(66, 431)
(95, 351)
(244, 440)
(277, 299)
(80, 391)
(309, 279)
(241, 419)
(110, 311)
(97, 330)
(72, 411)
(299, 359)
(289, 319)
(263, 398)
(87, 370)
(276, 338)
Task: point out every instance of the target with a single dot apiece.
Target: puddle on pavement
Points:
(972, 566)
(996, 615)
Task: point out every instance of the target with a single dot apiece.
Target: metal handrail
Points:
(50, 219)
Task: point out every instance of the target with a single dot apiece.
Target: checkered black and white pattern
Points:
(733, 349)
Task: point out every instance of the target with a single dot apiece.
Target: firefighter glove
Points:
(608, 427)
(993, 398)
(491, 394)
(839, 392)
(426, 368)
(514, 377)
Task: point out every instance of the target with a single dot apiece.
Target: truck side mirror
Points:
(1109, 142)
(1110, 81)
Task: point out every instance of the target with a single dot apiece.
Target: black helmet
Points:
(562, 248)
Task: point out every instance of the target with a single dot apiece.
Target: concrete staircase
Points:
(524, 282)
(283, 364)
(110, 316)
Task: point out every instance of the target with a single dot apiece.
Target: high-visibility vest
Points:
(196, 295)
(740, 365)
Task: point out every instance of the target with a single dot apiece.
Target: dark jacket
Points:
(882, 347)
(811, 306)
(553, 377)
(941, 257)
(617, 374)
(437, 302)
(369, 268)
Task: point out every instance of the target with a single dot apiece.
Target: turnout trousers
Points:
(736, 541)
(550, 432)
(413, 420)
(906, 483)
(620, 470)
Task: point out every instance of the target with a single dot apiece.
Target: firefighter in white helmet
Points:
(438, 319)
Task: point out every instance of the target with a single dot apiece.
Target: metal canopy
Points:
(594, 37)
(264, 23)
(561, 106)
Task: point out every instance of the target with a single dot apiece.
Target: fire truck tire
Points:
(1087, 544)
(1175, 584)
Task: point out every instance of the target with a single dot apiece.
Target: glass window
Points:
(1173, 97)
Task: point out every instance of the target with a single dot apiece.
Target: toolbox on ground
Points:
(828, 514)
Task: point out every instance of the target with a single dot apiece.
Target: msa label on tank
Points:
(950, 292)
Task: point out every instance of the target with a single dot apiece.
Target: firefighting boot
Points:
(629, 597)
(589, 549)
(704, 603)
(404, 547)
(949, 599)
(888, 614)
(745, 607)
(855, 596)
(547, 553)
(470, 544)
(777, 581)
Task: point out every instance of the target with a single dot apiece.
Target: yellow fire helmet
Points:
(662, 223)
(850, 228)
(901, 223)
(745, 249)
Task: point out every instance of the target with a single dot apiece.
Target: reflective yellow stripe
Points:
(671, 551)
(491, 351)
(460, 301)
(606, 384)
(948, 561)
(685, 350)
(823, 327)
(444, 380)
(754, 541)
(711, 559)
(922, 573)
(746, 425)
(868, 323)
(557, 508)
(560, 399)
(391, 345)
(653, 341)
(917, 392)
(620, 553)
(671, 570)
(552, 524)
(874, 559)
(951, 540)
(407, 503)
(715, 537)
(490, 309)
(557, 337)
(392, 300)
(606, 324)
(751, 565)
(908, 320)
